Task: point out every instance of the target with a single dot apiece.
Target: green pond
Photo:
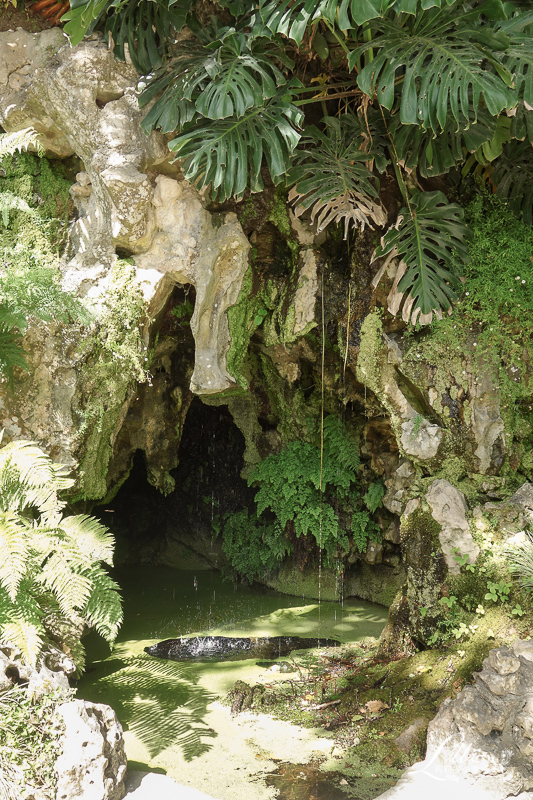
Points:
(171, 711)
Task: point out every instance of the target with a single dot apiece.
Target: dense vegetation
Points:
(308, 491)
(337, 99)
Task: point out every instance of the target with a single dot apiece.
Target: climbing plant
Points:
(336, 99)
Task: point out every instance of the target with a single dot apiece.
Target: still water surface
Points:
(168, 709)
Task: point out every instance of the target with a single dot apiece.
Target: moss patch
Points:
(117, 359)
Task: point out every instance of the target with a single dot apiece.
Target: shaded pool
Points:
(169, 710)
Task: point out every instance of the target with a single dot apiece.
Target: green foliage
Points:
(116, 357)
(520, 560)
(30, 737)
(429, 84)
(217, 76)
(253, 546)
(50, 565)
(228, 156)
(374, 495)
(499, 285)
(17, 141)
(145, 27)
(497, 592)
(34, 201)
(331, 176)
(430, 237)
(428, 46)
(364, 530)
(302, 493)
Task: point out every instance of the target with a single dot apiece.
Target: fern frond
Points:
(94, 540)
(374, 495)
(103, 610)
(20, 623)
(70, 588)
(23, 463)
(338, 445)
(12, 202)
(19, 140)
(13, 553)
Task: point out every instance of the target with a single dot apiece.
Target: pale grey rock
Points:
(21, 53)
(397, 486)
(150, 785)
(84, 102)
(481, 743)
(516, 513)
(449, 509)
(486, 422)
(306, 293)
(374, 553)
(50, 674)
(191, 246)
(92, 764)
(407, 738)
(417, 437)
(420, 438)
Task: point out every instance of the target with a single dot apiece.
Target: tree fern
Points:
(13, 553)
(103, 610)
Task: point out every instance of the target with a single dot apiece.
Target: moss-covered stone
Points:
(117, 359)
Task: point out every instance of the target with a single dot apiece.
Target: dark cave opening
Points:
(207, 484)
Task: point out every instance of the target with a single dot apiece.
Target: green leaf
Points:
(331, 175)
(513, 178)
(217, 78)
(146, 27)
(439, 67)
(82, 17)
(13, 553)
(228, 153)
(430, 237)
(435, 154)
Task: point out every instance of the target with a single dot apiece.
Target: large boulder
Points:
(93, 762)
(480, 744)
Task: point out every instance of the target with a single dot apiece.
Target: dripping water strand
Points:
(321, 453)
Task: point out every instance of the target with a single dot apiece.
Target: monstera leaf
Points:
(82, 17)
(144, 25)
(429, 236)
(443, 66)
(513, 179)
(228, 153)
(216, 79)
(332, 178)
(436, 154)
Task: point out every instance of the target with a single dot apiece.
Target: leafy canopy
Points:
(336, 99)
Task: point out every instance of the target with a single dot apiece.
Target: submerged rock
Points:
(201, 647)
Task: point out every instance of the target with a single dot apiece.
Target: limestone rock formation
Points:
(449, 509)
(480, 744)
(84, 102)
(92, 764)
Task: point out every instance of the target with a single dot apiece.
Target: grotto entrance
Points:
(176, 529)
